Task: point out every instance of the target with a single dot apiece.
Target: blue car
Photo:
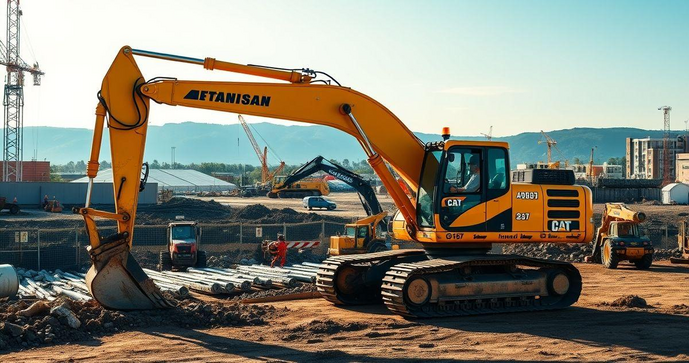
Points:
(318, 202)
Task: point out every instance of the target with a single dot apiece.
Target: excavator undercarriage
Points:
(412, 284)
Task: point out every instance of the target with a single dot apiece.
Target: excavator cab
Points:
(463, 184)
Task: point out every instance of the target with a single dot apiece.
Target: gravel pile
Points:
(570, 252)
(24, 325)
(551, 251)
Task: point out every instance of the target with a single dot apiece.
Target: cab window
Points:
(497, 172)
(462, 184)
(463, 171)
(182, 232)
(349, 232)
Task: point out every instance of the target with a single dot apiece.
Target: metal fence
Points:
(66, 248)
(51, 249)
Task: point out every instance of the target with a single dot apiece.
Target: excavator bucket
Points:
(117, 281)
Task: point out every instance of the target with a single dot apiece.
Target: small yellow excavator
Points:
(462, 198)
(619, 238)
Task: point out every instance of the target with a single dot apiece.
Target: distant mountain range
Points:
(198, 142)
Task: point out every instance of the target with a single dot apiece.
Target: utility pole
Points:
(667, 178)
(13, 102)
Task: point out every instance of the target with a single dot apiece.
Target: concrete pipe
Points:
(9, 281)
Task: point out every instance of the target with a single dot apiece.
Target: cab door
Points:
(462, 194)
(499, 200)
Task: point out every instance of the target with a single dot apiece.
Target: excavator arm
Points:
(115, 279)
(362, 186)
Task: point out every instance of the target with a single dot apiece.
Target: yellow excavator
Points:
(464, 199)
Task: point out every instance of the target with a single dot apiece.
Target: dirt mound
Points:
(680, 309)
(252, 212)
(214, 212)
(319, 327)
(191, 209)
(65, 321)
(629, 301)
(258, 213)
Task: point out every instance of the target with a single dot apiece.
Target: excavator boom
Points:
(115, 279)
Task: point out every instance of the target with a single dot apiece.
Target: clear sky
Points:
(516, 65)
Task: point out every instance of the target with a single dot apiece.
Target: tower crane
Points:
(667, 178)
(266, 175)
(550, 142)
(13, 136)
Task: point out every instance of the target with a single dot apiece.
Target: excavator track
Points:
(496, 286)
(352, 270)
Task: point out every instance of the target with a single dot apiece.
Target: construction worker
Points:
(281, 253)
(45, 201)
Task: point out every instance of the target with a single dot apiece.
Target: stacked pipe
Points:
(212, 281)
(48, 286)
(207, 280)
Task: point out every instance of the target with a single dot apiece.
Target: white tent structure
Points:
(178, 180)
(676, 193)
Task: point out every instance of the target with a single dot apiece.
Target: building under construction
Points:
(644, 157)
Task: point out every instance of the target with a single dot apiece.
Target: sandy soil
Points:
(315, 330)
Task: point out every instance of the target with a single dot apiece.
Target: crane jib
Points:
(237, 98)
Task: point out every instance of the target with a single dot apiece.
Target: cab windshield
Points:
(183, 232)
(627, 230)
(424, 202)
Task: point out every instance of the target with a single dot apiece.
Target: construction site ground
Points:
(313, 330)
(348, 204)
